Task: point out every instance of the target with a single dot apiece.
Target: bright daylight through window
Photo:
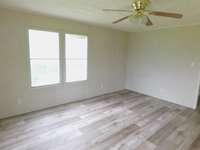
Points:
(44, 57)
(76, 57)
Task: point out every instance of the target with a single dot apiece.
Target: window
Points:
(45, 61)
(76, 57)
(44, 57)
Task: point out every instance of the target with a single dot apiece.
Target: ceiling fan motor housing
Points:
(140, 5)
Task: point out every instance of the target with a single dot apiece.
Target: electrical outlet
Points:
(162, 90)
(192, 64)
(19, 101)
(101, 86)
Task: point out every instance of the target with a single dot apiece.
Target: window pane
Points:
(76, 70)
(44, 72)
(43, 44)
(76, 57)
(44, 57)
(76, 46)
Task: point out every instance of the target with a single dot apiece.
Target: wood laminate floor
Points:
(118, 121)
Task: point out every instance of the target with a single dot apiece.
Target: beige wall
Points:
(165, 64)
(106, 70)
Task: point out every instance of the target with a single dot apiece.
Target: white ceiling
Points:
(90, 11)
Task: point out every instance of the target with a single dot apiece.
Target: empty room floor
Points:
(122, 120)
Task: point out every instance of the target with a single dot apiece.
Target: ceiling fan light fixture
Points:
(136, 20)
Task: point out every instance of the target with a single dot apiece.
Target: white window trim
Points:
(65, 81)
(62, 59)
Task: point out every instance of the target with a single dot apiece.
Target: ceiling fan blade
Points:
(148, 22)
(117, 10)
(124, 18)
(166, 14)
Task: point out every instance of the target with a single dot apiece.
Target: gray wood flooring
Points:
(122, 120)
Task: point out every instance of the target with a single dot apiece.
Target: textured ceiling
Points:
(91, 11)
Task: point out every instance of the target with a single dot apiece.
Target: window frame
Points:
(29, 57)
(62, 59)
(65, 64)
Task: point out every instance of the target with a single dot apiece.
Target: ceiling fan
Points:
(139, 10)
